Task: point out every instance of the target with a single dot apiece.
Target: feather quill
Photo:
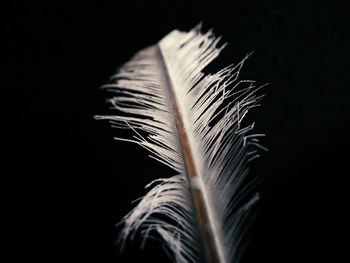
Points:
(192, 123)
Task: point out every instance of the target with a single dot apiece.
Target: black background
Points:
(69, 182)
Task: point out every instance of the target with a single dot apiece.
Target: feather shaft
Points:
(204, 225)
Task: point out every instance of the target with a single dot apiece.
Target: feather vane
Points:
(193, 124)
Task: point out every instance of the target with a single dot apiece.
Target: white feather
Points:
(220, 146)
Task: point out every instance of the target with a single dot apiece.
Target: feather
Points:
(192, 123)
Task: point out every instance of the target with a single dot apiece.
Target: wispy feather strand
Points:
(212, 108)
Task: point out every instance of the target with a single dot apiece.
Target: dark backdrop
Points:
(69, 182)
